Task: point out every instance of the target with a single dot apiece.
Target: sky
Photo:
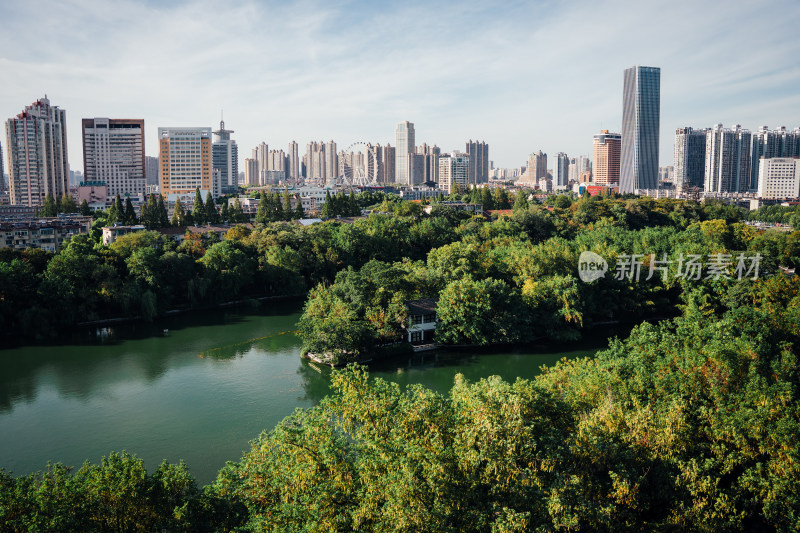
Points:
(522, 76)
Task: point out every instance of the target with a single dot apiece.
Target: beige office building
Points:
(607, 147)
(185, 161)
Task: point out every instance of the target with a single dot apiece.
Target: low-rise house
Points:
(111, 233)
(421, 320)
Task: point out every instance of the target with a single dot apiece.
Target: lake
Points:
(199, 392)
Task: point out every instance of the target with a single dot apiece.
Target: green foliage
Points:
(199, 209)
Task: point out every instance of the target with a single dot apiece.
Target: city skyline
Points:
(351, 71)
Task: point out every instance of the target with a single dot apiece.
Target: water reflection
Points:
(96, 358)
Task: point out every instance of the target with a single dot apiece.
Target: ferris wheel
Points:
(357, 167)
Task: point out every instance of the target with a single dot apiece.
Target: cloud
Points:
(523, 76)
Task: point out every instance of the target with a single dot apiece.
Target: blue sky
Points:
(522, 76)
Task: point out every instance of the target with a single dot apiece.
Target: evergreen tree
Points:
(352, 205)
(130, 213)
(67, 204)
(487, 199)
(225, 214)
(85, 209)
(299, 212)
(49, 208)
(118, 210)
(501, 198)
(238, 213)
(212, 215)
(178, 216)
(163, 216)
(522, 200)
(327, 207)
(199, 209)
(261, 214)
(277, 207)
(287, 205)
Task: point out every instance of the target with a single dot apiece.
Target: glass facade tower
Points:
(641, 109)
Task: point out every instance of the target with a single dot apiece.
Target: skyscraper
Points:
(404, 138)
(561, 171)
(641, 109)
(113, 153)
(388, 163)
(727, 165)
(225, 158)
(331, 160)
(294, 161)
(607, 148)
(185, 160)
(36, 141)
(690, 158)
(478, 161)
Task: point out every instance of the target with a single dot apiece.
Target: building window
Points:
(416, 336)
(430, 317)
(415, 319)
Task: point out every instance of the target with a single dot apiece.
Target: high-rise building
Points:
(607, 148)
(225, 158)
(779, 178)
(2, 172)
(478, 152)
(770, 144)
(261, 154)
(536, 169)
(641, 109)
(185, 160)
(404, 138)
(561, 171)
(316, 161)
(690, 158)
(151, 170)
(294, 161)
(416, 169)
(113, 153)
(331, 161)
(36, 141)
(454, 172)
(431, 162)
(577, 166)
(388, 163)
(251, 172)
(727, 164)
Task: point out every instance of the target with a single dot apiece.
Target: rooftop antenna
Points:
(221, 120)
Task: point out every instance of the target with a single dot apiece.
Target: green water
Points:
(200, 392)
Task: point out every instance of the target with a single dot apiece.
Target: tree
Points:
(49, 208)
(178, 216)
(328, 209)
(163, 216)
(67, 204)
(299, 212)
(199, 210)
(277, 208)
(521, 201)
(85, 209)
(287, 205)
(211, 213)
(237, 214)
(262, 215)
(225, 214)
(130, 214)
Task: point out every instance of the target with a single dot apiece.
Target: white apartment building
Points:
(113, 153)
(454, 170)
(779, 178)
